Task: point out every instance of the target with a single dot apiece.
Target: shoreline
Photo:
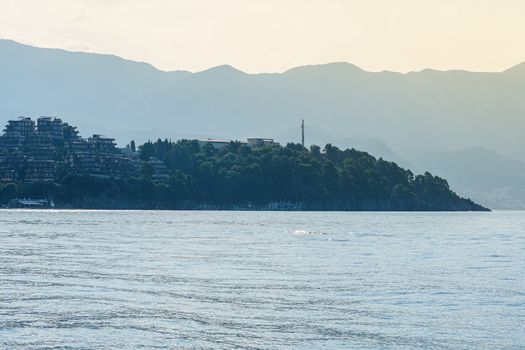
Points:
(485, 210)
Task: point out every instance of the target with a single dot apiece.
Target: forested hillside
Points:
(270, 177)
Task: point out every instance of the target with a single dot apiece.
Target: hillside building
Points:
(32, 152)
(252, 142)
(50, 127)
(259, 142)
(23, 126)
(39, 170)
(216, 143)
(161, 173)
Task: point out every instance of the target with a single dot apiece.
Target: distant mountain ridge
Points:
(480, 173)
(518, 68)
(414, 113)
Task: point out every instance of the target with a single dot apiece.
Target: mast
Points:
(302, 133)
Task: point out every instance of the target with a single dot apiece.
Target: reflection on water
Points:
(132, 279)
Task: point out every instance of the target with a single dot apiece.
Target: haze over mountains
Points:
(465, 126)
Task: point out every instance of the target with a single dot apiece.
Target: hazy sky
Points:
(274, 35)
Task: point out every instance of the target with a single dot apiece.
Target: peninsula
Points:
(48, 159)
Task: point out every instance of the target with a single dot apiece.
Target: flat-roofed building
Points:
(40, 146)
(40, 170)
(30, 203)
(11, 142)
(32, 153)
(22, 126)
(70, 132)
(102, 144)
(260, 142)
(160, 171)
(217, 143)
(78, 146)
(13, 160)
(51, 127)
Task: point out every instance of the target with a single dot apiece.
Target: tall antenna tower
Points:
(302, 133)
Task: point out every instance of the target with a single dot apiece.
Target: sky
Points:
(276, 35)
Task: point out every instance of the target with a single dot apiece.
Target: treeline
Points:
(270, 177)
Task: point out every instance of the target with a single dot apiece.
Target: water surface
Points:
(299, 280)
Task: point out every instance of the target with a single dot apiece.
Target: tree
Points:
(8, 192)
(241, 176)
(147, 151)
(147, 171)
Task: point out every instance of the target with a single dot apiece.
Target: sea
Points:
(261, 280)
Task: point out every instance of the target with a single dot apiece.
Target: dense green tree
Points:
(147, 172)
(240, 176)
(7, 192)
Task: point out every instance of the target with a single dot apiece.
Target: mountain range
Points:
(465, 126)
